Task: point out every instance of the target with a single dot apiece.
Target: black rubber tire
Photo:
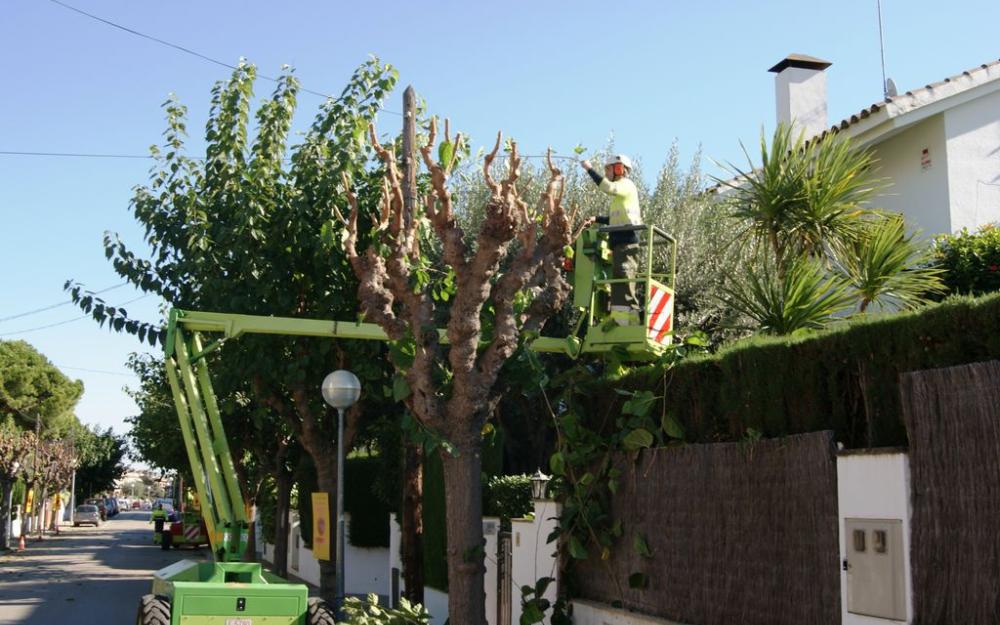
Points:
(320, 612)
(153, 610)
(166, 540)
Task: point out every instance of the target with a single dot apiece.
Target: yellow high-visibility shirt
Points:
(624, 202)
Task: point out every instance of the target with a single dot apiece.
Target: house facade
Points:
(938, 146)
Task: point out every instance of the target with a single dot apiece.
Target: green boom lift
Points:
(230, 592)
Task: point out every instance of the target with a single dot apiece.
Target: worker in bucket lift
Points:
(624, 245)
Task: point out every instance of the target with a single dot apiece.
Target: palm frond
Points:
(802, 297)
(886, 266)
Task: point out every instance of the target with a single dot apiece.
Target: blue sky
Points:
(548, 73)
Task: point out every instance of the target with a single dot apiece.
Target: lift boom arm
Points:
(219, 495)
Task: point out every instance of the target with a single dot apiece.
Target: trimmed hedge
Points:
(369, 526)
(507, 497)
(845, 379)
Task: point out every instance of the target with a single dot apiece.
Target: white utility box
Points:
(876, 584)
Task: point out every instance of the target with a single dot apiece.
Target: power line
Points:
(185, 50)
(51, 306)
(62, 323)
(128, 375)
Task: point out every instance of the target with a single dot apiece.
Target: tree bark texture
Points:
(412, 523)
(283, 484)
(326, 479)
(464, 524)
(6, 493)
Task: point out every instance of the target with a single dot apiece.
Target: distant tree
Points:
(32, 388)
(101, 461)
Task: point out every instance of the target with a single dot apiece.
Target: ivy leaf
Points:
(640, 546)
(640, 403)
(577, 550)
(531, 614)
(638, 438)
(638, 581)
(446, 150)
(400, 388)
(672, 428)
(542, 585)
(557, 463)
(699, 339)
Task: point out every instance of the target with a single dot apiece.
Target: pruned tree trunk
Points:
(464, 524)
(6, 503)
(411, 524)
(471, 357)
(282, 504)
(326, 479)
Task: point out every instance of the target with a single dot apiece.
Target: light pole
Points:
(539, 486)
(340, 389)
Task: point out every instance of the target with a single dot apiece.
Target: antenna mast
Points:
(881, 49)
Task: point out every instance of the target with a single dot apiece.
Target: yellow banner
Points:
(321, 526)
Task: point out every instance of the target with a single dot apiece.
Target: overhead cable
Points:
(64, 322)
(184, 49)
(51, 306)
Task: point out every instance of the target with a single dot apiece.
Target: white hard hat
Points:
(620, 158)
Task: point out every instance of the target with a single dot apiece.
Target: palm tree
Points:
(886, 266)
(804, 196)
(804, 296)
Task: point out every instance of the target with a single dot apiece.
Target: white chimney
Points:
(800, 93)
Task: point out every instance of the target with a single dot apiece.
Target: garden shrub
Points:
(508, 497)
(971, 260)
(844, 379)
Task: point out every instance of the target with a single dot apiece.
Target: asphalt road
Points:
(85, 576)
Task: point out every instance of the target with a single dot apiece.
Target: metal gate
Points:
(504, 577)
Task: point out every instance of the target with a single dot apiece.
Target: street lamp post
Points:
(340, 389)
(539, 486)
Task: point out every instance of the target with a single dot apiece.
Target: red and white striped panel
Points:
(660, 313)
(191, 532)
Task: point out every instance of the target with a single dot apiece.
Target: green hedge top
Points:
(844, 379)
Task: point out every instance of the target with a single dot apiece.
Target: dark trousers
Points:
(625, 264)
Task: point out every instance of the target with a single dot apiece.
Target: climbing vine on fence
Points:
(584, 479)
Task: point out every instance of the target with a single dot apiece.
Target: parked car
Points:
(87, 514)
(112, 506)
(101, 508)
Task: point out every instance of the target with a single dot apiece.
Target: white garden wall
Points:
(367, 570)
(533, 558)
(874, 485)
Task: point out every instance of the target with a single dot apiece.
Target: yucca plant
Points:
(803, 197)
(804, 296)
(886, 266)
